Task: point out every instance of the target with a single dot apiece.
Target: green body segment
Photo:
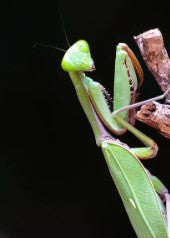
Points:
(103, 111)
(137, 192)
(120, 48)
(125, 82)
(77, 79)
(122, 92)
(142, 152)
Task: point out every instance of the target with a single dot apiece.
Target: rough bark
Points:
(151, 45)
(156, 115)
(152, 48)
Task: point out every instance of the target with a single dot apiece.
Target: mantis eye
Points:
(78, 58)
(83, 46)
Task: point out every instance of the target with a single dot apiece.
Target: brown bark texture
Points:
(155, 55)
(156, 115)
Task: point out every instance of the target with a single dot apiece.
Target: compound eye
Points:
(83, 46)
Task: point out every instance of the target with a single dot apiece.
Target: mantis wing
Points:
(136, 190)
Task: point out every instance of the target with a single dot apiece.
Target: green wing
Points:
(136, 190)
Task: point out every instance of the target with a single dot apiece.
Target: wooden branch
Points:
(152, 48)
(156, 115)
(155, 55)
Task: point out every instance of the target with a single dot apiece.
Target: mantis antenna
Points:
(49, 46)
(64, 29)
(66, 37)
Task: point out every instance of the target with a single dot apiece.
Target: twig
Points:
(152, 48)
(155, 55)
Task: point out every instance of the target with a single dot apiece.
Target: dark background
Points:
(53, 179)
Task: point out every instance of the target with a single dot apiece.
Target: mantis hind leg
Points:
(144, 152)
(151, 148)
(158, 185)
(163, 197)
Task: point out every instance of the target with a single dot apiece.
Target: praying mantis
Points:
(142, 194)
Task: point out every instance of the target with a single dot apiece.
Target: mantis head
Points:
(78, 58)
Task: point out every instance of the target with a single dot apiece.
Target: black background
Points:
(53, 179)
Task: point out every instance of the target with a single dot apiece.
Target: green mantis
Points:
(142, 194)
